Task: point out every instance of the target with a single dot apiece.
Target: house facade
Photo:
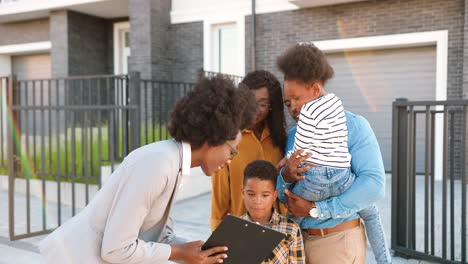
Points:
(380, 49)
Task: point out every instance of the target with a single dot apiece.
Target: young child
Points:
(322, 131)
(259, 196)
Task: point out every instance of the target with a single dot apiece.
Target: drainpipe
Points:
(253, 46)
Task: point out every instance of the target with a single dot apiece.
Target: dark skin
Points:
(192, 253)
(296, 93)
(258, 129)
(263, 108)
(297, 206)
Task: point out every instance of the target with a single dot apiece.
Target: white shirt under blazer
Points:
(128, 220)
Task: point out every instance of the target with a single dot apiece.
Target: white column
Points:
(5, 65)
(5, 70)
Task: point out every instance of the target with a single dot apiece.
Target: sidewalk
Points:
(194, 197)
(25, 251)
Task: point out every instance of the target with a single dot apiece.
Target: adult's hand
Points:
(281, 163)
(291, 171)
(191, 253)
(297, 206)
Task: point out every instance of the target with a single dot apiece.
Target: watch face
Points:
(313, 212)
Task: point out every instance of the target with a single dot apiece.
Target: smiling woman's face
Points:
(217, 157)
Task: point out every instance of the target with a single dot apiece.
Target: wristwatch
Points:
(313, 212)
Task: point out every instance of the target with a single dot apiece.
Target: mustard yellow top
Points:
(226, 195)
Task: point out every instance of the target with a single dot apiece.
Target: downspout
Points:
(253, 46)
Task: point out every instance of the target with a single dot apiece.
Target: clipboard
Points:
(247, 242)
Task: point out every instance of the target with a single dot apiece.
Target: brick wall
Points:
(186, 51)
(160, 36)
(277, 31)
(80, 44)
(162, 51)
(149, 38)
(140, 37)
(88, 48)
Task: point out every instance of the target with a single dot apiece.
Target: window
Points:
(225, 49)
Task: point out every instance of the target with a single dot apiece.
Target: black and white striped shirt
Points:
(322, 131)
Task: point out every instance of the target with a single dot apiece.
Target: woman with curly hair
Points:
(128, 220)
(264, 140)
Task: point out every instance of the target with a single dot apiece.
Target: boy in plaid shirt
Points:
(259, 196)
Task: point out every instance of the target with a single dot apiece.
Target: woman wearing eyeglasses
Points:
(264, 140)
(128, 220)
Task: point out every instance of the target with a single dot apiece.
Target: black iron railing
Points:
(430, 224)
(62, 133)
(235, 78)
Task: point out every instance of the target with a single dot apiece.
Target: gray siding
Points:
(277, 31)
(368, 81)
(24, 32)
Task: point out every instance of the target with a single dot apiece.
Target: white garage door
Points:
(369, 81)
(33, 67)
(29, 67)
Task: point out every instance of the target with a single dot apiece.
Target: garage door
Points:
(369, 81)
(32, 66)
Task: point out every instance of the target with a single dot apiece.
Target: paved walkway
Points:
(194, 197)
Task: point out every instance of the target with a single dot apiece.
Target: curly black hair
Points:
(260, 169)
(213, 112)
(275, 119)
(305, 62)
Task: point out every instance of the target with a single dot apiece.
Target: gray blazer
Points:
(128, 219)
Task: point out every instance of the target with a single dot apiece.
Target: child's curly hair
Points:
(305, 62)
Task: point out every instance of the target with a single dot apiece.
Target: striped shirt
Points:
(322, 131)
(291, 249)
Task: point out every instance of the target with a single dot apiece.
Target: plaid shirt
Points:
(291, 249)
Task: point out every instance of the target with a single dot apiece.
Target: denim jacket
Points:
(368, 187)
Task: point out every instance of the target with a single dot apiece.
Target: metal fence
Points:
(66, 135)
(3, 124)
(235, 78)
(431, 225)
(157, 100)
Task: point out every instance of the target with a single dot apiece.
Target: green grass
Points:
(79, 162)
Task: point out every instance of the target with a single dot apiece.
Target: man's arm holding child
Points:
(366, 163)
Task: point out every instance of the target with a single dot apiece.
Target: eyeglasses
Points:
(263, 106)
(234, 152)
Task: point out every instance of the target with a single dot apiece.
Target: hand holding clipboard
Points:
(247, 242)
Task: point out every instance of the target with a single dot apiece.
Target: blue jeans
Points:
(324, 182)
